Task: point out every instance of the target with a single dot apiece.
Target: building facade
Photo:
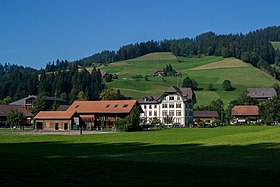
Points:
(5, 110)
(57, 120)
(27, 102)
(89, 114)
(245, 114)
(175, 102)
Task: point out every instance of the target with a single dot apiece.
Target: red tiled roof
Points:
(114, 106)
(54, 115)
(245, 110)
(6, 109)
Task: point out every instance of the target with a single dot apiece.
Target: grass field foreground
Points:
(223, 156)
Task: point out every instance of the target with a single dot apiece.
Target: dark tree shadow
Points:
(137, 164)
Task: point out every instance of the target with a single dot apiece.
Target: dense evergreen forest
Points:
(18, 82)
(62, 78)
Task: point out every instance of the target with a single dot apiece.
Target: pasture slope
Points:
(222, 156)
(276, 45)
(204, 70)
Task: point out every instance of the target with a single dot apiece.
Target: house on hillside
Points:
(261, 93)
(5, 110)
(92, 115)
(159, 73)
(245, 114)
(206, 116)
(174, 102)
(27, 102)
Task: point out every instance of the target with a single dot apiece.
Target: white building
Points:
(175, 102)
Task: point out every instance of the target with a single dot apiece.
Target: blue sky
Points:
(34, 32)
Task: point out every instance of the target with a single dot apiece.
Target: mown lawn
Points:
(222, 156)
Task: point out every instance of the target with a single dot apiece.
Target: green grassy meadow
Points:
(276, 45)
(222, 156)
(204, 70)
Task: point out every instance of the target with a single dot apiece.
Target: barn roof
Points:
(54, 115)
(112, 106)
(6, 109)
(245, 110)
(261, 92)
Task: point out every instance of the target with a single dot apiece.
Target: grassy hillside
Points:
(276, 45)
(223, 156)
(204, 70)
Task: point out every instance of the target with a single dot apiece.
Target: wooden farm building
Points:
(245, 114)
(27, 102)
(206, 115)
(92, 115)
(57, 120)
(5, 110)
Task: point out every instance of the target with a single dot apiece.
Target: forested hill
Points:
(254, 47)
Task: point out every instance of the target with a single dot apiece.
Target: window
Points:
(164, 113)
(107, 106)
(178, 105)
(171, 113)
(178, 113)
(171, 105)
(116, 106)
(164, 98)
(145, 106)
(155, 106)
(164, 105)
(155, 113)
(150, 106)
(125, 105)
(178, 98)
(150, 113)
(171, 98)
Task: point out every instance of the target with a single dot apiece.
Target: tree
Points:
(276, 88)
(130, 122)
(211, 87)
(6, 100)
(111, 94)
(271, 110)
(38, 105)
(16, 118)
(156, 122)
(227, 85)
(82, 96)
(168, 120)
(189, 83)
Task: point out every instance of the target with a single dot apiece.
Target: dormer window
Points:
(116, 106)
(125, 105)
(107, 106)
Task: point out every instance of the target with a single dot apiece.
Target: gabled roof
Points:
(62, 107)
(186, 93)
(245, 110)
(6, 109)
(114, 106)
(54, 115)
(23, 100)
(205, 114)
(151, 99)
(261, 92)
